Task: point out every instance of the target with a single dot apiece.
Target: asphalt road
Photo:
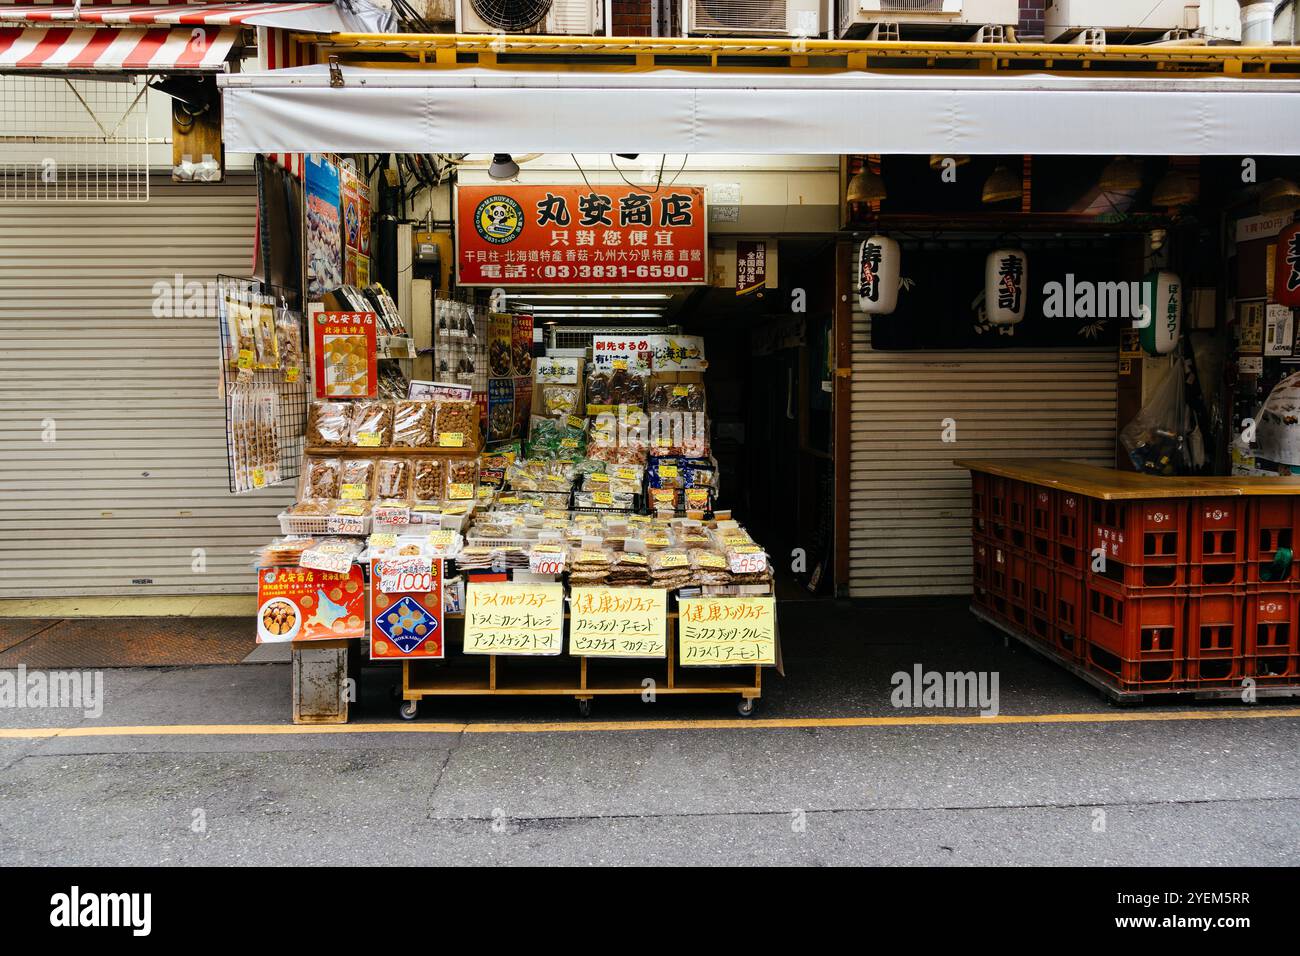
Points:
(462, 789)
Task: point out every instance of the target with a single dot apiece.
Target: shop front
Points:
(564, 512)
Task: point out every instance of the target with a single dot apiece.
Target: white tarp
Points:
(483, 110)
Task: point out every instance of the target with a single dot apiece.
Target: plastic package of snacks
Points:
(413, 424)
(329, 424)
(589, 566)
(312, 507)
(560, 400)
(265, 339)
(393, 477)
(288, 329)
(604, 499)
(372, 424)
(455, 417)
(462, 478)
(677, 398)
(665, 472)
(608, 388)
(357, 479)
(670, 568)
(552, 438)
(320, 478)
(429, 479)
(710, 567)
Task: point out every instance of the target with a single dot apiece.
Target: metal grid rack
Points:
(74, 140)
(293, 397)
(577, 338)
(460, 341)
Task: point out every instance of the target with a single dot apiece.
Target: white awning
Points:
(485, 110)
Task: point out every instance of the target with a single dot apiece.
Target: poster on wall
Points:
(751, 266)
(511, 235)
(356, 228)
(308, 604)
(406, 608)
(344, 350)
(324, 226)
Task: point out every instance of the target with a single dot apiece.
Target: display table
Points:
(1139, 584)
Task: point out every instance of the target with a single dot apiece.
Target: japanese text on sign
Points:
(576, 235)
(514, 618)
(736, 630)
(618, 622)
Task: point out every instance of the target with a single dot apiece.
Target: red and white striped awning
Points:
(205, 14)
(92, 49)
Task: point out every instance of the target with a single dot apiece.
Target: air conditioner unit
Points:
(925, 19)
(785, 18)
(1124, 21)
(548, 17)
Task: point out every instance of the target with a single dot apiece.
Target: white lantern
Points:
(878, 263)
(1162, 295)
(1006, 274)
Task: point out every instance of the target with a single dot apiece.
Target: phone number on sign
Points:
(680, 272)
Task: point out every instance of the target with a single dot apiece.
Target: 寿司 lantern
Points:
(1162, 294)
(1005, 273)
(1286, 267)
(878, 264)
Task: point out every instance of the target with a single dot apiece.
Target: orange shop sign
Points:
(509, 235)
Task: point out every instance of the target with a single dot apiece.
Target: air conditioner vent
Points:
(512, 16)
(742, 15)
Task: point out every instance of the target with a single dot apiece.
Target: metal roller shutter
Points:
(910, 521)
(134, 479)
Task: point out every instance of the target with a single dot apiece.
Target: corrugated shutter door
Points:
(910, 521)
(134, 478)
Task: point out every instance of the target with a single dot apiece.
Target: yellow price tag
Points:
(354, 492)
(368, 439)
(451, 440)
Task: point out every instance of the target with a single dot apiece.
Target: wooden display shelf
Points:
(394, 451)
(1109, 484)
(582, 678)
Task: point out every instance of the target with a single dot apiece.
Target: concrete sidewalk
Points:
(1218, 784)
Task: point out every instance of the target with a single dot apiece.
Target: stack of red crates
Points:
(1272, 583)
(1193, 594)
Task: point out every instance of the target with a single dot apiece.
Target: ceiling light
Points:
(1001, 186)
(503, 167)
(1121, 174)
(1280, 195)
(866, 186)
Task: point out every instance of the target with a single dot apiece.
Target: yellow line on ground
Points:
(591, 726)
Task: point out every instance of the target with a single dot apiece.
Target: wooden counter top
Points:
(1112, 485)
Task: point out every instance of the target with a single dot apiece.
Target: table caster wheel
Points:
(745, 707)
(584, 708)
(409, 709)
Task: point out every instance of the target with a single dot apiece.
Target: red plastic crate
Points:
(1042, 601)
(1070, 516)
(1042, 523)
(999, 569)
(1145, 541)
(1272, 623)
(1136, 626)
(997, 499)
(1069, 612)
(981, 556)
(1017, 497)
(1272, 523)
(1018, 565)
(1147, 676)
(1216, 644)
(1217, 540)
(979, 502)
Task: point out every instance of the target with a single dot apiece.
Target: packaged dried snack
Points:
(665, 472)
(413, 424)
(265, 340)
(288, 330)
(329, 424)
(372, 424)
(429, 479)
(320, 478)
(357, 479)
(243, 334)
(312, 506)
(392, 477)
(680, 398)
(462, 478)
(456, 424)
(560, 400)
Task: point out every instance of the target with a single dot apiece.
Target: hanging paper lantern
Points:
(878, 264)
(1162, 293)
(1005, 273)
(1286, 271)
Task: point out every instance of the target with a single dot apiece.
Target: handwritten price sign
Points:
(618, 622)
(721, 631)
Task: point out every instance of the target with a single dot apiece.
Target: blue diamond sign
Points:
(407, 624)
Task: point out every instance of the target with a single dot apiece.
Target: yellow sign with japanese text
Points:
(618, 622)
(505, 618)
(727, 630)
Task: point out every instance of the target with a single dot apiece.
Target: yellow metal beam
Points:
(583, 54)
